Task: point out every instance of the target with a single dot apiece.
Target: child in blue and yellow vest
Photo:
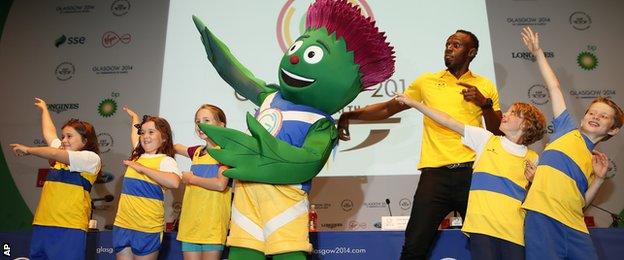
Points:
(494, 217)
(139, 223)
(569, 173)
(62, 216)
(205, 215)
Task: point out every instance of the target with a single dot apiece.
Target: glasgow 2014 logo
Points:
(292, 17)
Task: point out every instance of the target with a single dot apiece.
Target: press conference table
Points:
(451, 244)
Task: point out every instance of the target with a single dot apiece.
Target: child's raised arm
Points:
(182, 150)
(531, 40)
(438, 116)
(47, 126)
(134, 132)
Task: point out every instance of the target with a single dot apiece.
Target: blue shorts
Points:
(192, 247)
(57, 243)
(489, 247)
(141, 243)
(547, 238)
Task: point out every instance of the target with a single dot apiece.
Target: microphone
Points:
(388, 204)
(615, 217)
(107, 198)
(105, 177)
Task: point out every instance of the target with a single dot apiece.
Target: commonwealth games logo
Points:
(292, 17)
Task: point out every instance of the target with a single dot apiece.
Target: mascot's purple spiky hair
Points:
(372, 53)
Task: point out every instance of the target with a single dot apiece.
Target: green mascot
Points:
(340, 54)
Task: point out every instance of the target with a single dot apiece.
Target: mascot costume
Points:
(340, 54)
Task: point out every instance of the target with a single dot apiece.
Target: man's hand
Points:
(343, 127)
(472, 94)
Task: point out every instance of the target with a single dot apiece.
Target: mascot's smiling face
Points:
(318, 71)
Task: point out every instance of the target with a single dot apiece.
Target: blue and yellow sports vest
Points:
(141, 204)
(65, 198)
(497, 191)
(563, 175)
(205, 213)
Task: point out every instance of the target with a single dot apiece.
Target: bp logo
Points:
(107, 107)
(587, 60)
(271, 120)
(292, 17)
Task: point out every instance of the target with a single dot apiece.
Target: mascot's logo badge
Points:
(271, 120)
(288, 24)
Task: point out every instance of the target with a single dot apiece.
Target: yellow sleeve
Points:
(493, 94)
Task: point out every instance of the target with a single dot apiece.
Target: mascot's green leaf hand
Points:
(263, 158)
(230, 69)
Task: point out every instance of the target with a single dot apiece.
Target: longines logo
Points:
(58, 108)
(592, 93)
(110, 39)
(65, 71)
(580, 21)
(528, 21)
(120, 7)
(331, 225)
(538, 94)
(71, 40)
(346, 205)
(525, 55)
(105, 141)
(405, 203)
(111, 69)
(74, 9)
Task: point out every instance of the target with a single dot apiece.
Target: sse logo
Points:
(72, 40)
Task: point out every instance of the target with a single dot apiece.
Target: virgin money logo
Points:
(110, 39)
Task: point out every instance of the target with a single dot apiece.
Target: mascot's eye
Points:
(295, 47)
(313, 54)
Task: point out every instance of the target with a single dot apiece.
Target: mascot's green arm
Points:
(230, 69)
(264, 158)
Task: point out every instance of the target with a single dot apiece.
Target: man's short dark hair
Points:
(473, 38)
